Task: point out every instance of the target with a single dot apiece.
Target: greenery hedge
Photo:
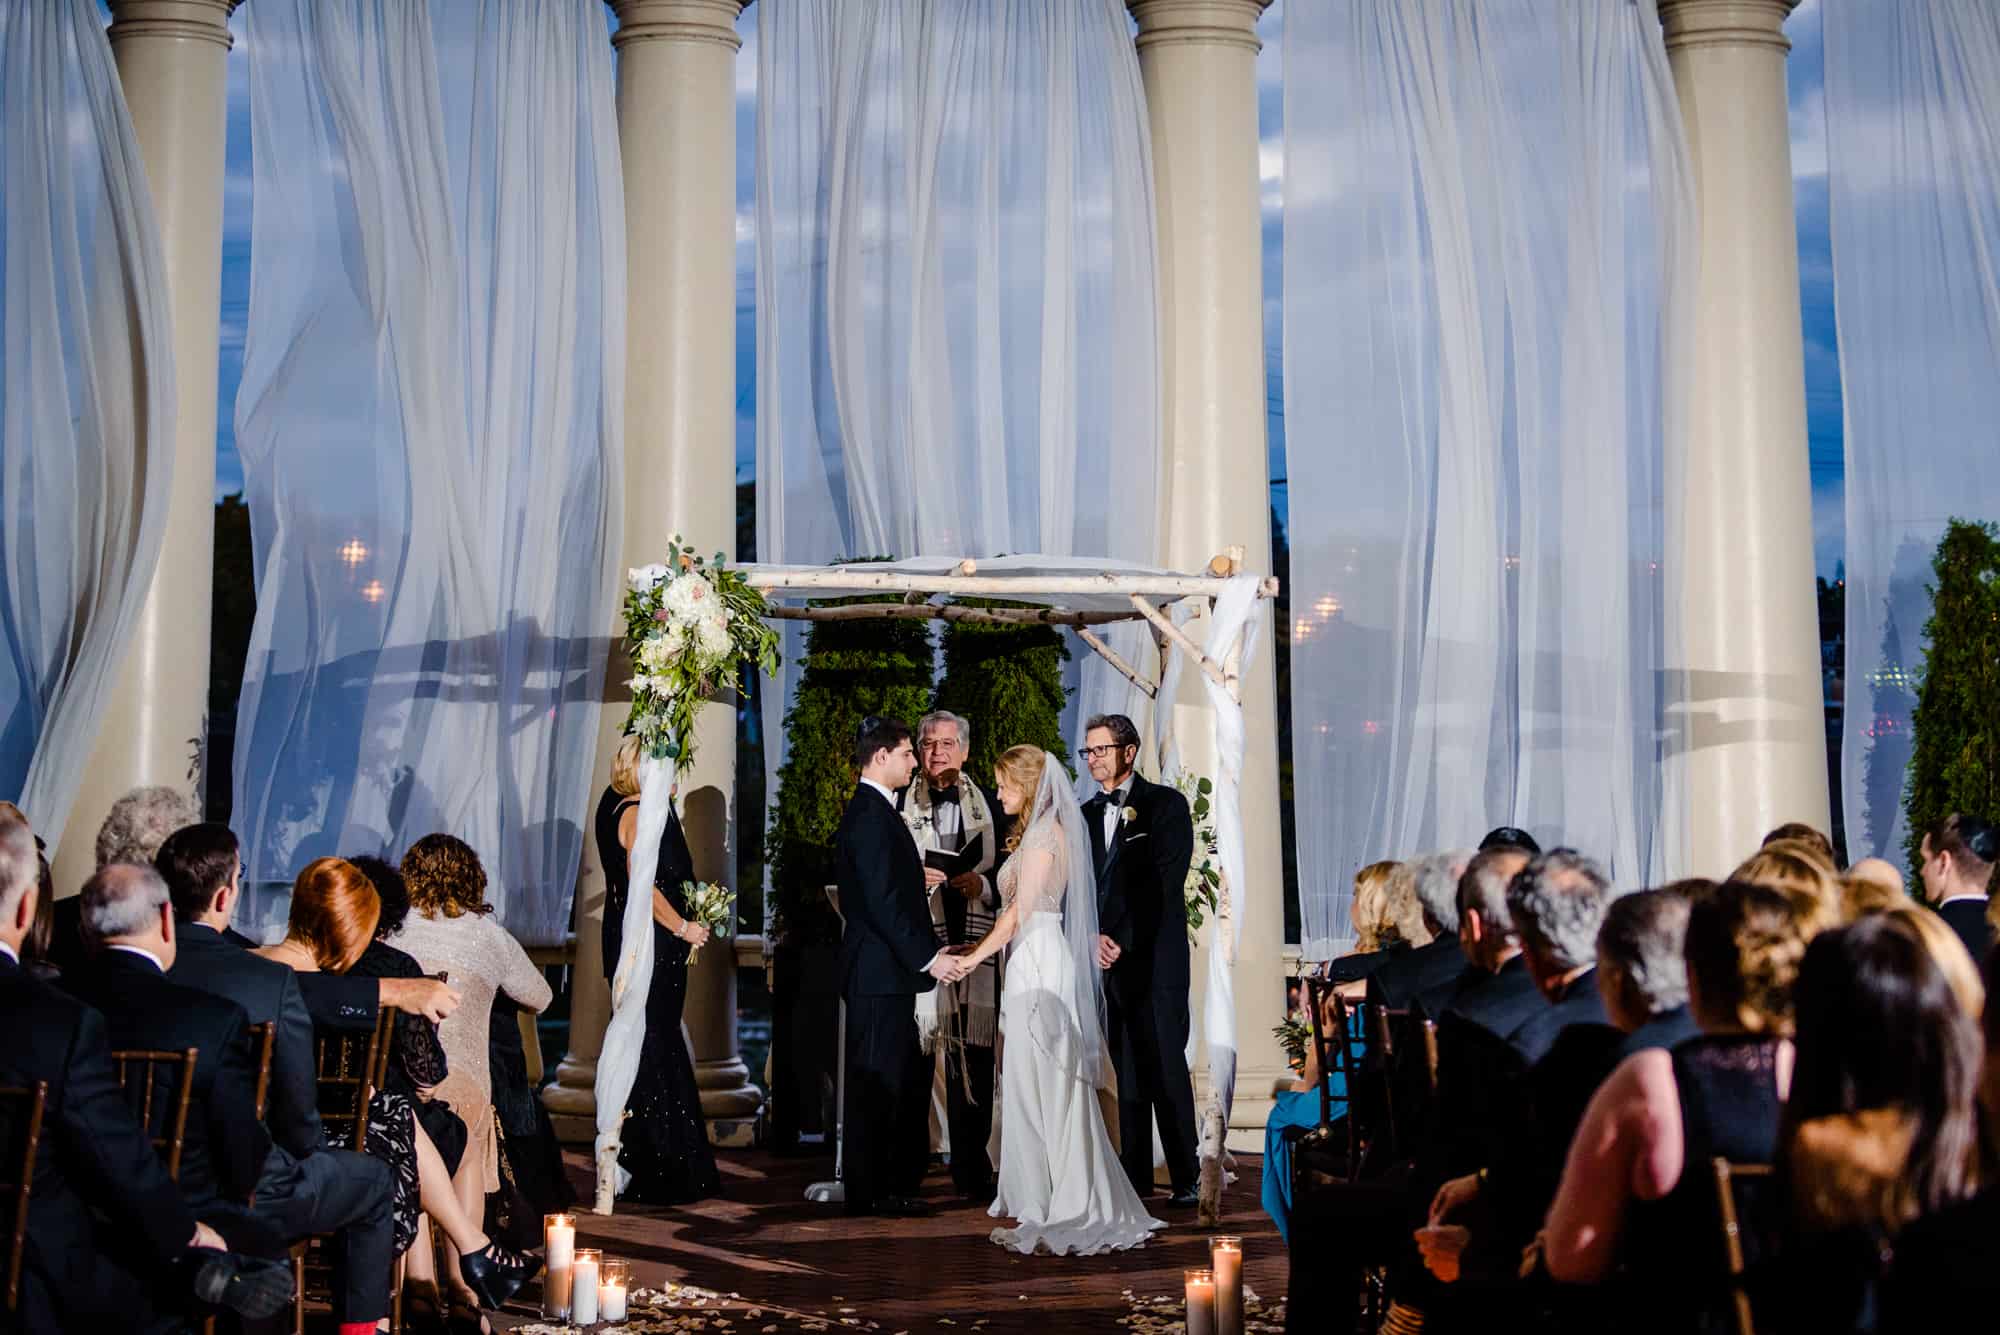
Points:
(1955, 765)
(1008, 681)
(852, 669)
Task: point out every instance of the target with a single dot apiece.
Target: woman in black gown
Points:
(665, 1139)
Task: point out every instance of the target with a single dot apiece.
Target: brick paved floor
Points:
(792, 1265)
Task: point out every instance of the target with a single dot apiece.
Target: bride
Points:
(1058, 1174)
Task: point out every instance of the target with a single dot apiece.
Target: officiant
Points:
(961, 831)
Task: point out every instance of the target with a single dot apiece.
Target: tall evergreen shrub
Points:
(1007, 681)
(852, 669)
(1955, 765)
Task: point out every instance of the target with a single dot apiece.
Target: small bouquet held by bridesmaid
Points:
(711, 905)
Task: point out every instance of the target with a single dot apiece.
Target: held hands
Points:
(1107, 952)
(948, 968)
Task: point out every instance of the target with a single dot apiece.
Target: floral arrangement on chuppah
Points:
(691, 628)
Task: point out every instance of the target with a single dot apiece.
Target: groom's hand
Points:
(945, 968)
(933, 878)
(1107, 952)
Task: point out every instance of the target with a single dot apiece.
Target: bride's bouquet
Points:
(711, 905)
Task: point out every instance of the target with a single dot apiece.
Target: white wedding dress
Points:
(1058, 1174)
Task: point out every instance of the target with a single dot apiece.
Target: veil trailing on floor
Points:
(1070, 889)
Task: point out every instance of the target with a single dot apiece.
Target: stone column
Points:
(172, 63)
(677, 135)
(1198, 60)
(1753, 709)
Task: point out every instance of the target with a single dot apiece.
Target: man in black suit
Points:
(1426, 977)
(1958, 856)
(888, 955)
(111, 1244)
(303, 1189)
(1553, 1059)
(1642, 970)
(1142, 838)
(128, 928)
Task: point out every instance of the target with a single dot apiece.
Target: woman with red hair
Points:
(333, 916)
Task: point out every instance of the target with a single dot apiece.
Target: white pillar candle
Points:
(559, 1258)
(583, 1282)
(611, 1300)
(1226, 1257)
(1201, 1302)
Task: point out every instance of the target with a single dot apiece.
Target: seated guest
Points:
(1426, 975)
(333, 915)
(1948, 953)
(418, 1064)
(305, 1189)
(1507, 836)
(1798, 832)
(1388, 918)
(1292, 1110)
(132, 831)
(452, 930)
(1943, 1266)
(1633, 1199)
(1800, 870)
(1642, 969)
(1562, 1051)
(128, 925)
(111, 1244)
(1880, 1127)
(1870, 886)
(1958, 854)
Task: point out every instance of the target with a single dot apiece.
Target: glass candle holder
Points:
(583, 1286)
(614, 1286)
(1226, 1259)
(1200, 1302)
(558, 1264)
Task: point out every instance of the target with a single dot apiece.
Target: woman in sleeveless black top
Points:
(665, 1138)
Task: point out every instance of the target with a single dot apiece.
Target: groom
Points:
(887, 956)
(1142, 838)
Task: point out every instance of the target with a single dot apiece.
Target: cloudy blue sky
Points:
(1809, 173)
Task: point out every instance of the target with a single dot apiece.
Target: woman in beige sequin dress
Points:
(450, 930)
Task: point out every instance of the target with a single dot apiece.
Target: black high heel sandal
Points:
(495, 1273)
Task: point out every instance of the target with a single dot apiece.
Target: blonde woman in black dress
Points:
(665, 1139)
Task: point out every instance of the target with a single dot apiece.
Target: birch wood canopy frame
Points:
(1076, 592)
(1081, 593)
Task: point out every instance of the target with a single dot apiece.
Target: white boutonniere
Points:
(1128, 815)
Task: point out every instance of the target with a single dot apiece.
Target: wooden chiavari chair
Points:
(140, 1072)
(21, 1114)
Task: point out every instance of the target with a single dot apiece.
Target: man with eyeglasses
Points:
(959, 824)
(1142, 837)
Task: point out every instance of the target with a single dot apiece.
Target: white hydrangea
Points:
(714, 639)
(639, 684)
(658, 650)
(689, 597)
(642, 578)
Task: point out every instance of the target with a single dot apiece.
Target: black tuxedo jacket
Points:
(1142, 889)
(888, 939)
(267, 991)
(93, 1154)
(1967, 917)
(1427, 976)
(224, 1149)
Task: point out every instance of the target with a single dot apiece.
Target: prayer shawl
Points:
(977, 997)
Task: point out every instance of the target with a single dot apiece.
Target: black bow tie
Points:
(945, 795)
(1114, 798)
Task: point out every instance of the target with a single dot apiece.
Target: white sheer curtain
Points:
(431, 423)
(1913, 167)
(1488, 242)
(956, 346)
(86, 396)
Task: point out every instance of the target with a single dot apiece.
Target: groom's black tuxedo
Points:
(1141, 905)
(884, 949)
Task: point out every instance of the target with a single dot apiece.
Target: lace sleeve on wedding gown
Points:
(1034, 876)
